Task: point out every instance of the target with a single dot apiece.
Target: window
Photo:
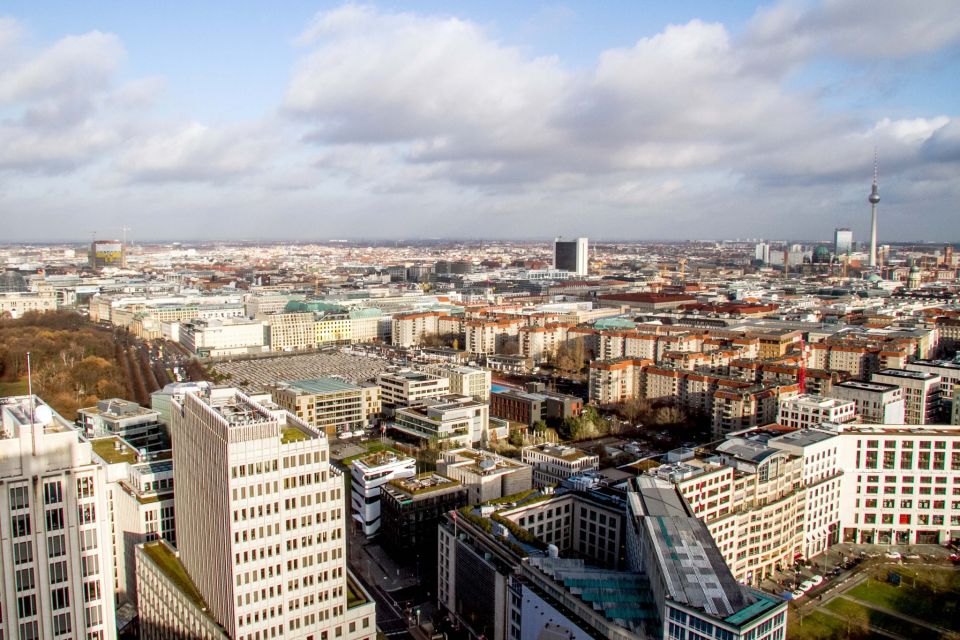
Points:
(58, 572)
(54, 519)
(60, 598)
(52, 493)
(20, 525)
(19, 497)
(56, 546)
(25, 580)
(27, 606)
(61, 624)
(22, 552)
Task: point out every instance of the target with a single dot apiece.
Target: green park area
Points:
(929, 594)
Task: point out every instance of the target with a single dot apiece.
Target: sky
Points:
(632, 120)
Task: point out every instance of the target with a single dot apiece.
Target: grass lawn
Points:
(371, 446)
(935, 596)
(17, 388)
(815, 626)
(861, 616)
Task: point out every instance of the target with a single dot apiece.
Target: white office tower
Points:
(54, 529)
(571, 255)
(261, 526)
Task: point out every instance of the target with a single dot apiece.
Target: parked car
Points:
(816, 580)
(893, 555)
(798, 594)
(806, 585)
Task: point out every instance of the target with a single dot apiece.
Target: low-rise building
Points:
(450, 421)
(330, 404)
(485, 475)
(806, 411)
(137, 425)
(553, 463)
(407, 388)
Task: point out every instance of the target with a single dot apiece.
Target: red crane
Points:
(802, 373)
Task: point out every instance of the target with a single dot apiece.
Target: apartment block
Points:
(921, 393)
(807, 411)
(407, 388)
(465, 381)
(409, 329)
(876, 403)
(56, 547)
(329, 404)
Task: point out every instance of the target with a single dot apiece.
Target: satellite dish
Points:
(43, 415)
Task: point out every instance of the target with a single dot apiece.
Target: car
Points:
(837, 571)
(912, 556)
(806, 585)
(893, 555)
(798, 594)
(816, 580)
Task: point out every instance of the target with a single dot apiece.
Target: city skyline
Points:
(330, 120)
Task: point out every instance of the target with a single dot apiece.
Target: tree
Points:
(516, 438)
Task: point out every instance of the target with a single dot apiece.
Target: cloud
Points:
(855, 29)
(194, 153)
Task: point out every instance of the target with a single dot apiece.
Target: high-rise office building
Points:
(842, 241)
(261, 519)
(56, 554)
(571, 255)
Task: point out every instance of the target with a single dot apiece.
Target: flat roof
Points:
(321, 385)
(114, 450)
(906, 373)
(804, 437)
(867, 386)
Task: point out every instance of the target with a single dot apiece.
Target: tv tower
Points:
(873, 199)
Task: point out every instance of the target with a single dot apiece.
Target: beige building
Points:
(409, 329)
(553, 463)
(407, 388)
(807, 411)
(329, 404)
(465, 381)
(261, 529)
(921, 393)
(751, 499)
(485, 475)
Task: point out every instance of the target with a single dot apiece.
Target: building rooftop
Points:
(170, 564)
(423, 483)
(320, 385)
(16, 410)
(804, 437)
(563, 452)
(117, 408)
(692, 567)
(905, 373)
(867, 386)
(819, 402)
(380, 459)
(114, 450)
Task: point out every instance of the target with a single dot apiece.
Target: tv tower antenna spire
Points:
(873, 199)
